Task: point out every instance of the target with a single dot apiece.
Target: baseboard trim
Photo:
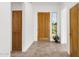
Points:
(4, 54)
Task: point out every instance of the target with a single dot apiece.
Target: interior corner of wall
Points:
(26, 48)
(68, 52)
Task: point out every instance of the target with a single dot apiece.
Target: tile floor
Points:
(44, 49)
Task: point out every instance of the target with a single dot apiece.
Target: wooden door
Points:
(74, 31)
(16, 30)
(43, 26)
(78, 28)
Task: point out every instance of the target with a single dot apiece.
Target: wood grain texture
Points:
(43, 26)
(74, 31)
(16, 30)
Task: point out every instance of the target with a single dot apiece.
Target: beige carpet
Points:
(44, 49)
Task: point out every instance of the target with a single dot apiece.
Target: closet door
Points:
(74, 31)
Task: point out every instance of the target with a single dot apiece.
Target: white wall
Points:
(64, 25)
(16, 5)
(45, 7)
(66, 7)
(5, 29)
(28, 26)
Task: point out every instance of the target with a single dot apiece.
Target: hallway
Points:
(44, 49)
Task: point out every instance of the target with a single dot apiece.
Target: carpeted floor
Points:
(44, 49)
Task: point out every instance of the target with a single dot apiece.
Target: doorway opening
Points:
(16, 9)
